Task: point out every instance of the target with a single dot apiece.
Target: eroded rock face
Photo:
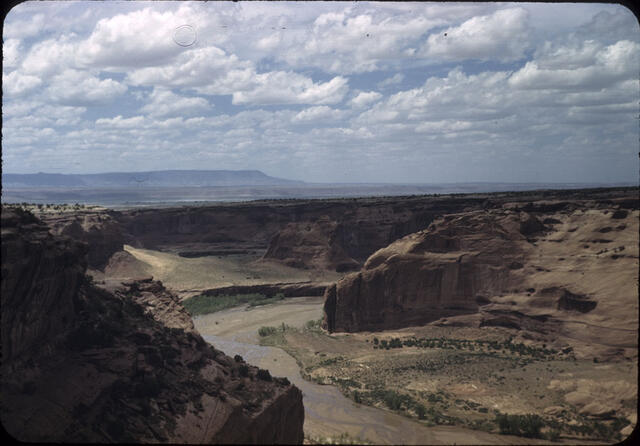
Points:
(99, 229)
(318, 245)
(158, 302)
(442, 271)
(41, 276)
(82, 364)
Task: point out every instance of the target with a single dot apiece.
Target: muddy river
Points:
(327, 411)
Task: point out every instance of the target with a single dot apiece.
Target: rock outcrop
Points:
(442, 271)
(99, 229)
(82, 364)
(316, 245)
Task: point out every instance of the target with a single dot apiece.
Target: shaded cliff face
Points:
(332, 234)
(326, 234)
(83, 364)
(37, 264)
(99, 229)
(442, 271)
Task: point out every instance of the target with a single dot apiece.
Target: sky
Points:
(324, 92)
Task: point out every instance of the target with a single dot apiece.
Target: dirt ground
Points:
(188, 276)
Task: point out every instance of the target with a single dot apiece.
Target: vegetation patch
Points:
(203, 304)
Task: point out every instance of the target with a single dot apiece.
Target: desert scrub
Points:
(343, 438)
(274, 336)
(264, 300)
(266, 331)
(313, 325)
(522, 425)
(203, 304)
(480, 346)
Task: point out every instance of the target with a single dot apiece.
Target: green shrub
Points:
(266, 331)
(203, 304)
(523, 425)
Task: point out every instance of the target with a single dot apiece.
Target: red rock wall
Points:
(442, 271)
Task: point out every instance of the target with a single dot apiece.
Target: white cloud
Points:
(502, 35)
(11, 49)
(109, 79)
(15, 83)
(28, 27)
(50, 56)
(139, 38)
(210, 68)
(347, 42)
(120, 122)
(212, 71)
(279, 87)
(365, 98)
(393, 80)
(612, 64)
(166, 103)
(319, 112)
(75, 87)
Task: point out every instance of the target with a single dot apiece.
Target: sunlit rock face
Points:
(84, 364)
(445, 270)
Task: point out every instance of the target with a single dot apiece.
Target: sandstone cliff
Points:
(545, 269)
(442, 271)
(82, 364)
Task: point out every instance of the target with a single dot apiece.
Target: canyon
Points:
(94, 296)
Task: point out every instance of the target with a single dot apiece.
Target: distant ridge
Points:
(160, 178)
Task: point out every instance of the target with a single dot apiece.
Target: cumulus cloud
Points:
(214, 72)
(75, 87)
(164, 102)
(611, 64)
(120, 122)
(393, 80)
(15, 83)
(50, 56)
(320, 87)
(502, 35)
(291, 88)
(28, 27)
(365, 98)
(348, 42)
(10, 53)
(319, 112)
(139, 38)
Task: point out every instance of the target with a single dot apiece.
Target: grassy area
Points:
(203, 304)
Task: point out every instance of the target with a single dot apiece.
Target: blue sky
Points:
(324, 92)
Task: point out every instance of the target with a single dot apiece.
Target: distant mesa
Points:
(162, 178)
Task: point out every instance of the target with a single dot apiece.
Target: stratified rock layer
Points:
(82, 364)
(442, 271)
